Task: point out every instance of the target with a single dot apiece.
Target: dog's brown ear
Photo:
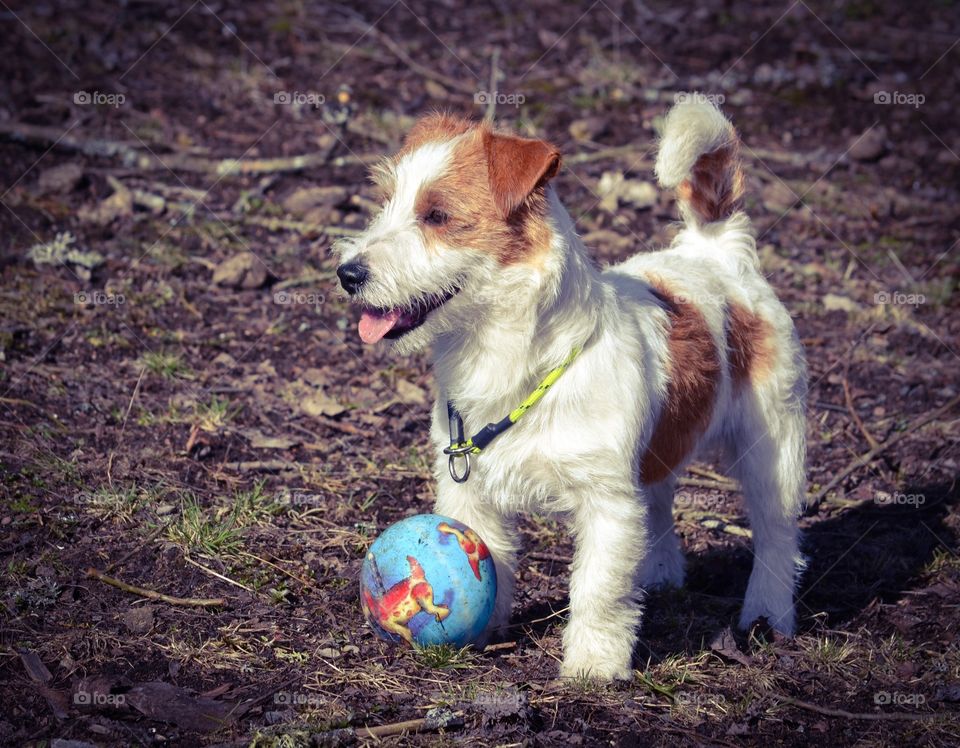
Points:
(517, 166)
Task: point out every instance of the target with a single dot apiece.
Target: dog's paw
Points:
(783, 621)
(596, 653)
(604, 671)
(662, 569)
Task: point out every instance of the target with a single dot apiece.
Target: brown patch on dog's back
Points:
(694, 376)
(750, 346)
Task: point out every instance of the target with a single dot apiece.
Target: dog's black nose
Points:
(352, 275)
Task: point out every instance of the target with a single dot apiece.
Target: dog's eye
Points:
(436, 217)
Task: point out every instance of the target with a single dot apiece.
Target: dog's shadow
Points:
(874, 552)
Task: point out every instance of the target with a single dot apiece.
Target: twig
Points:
(714, 521)
(397, 728)
(133, 158)
(867, 457)
(216, 574)
(304, 582)
(491, 112)
(729, 486)
(610, 154)
(18, 401)
(848, 398)
(198, 602)
(709, 474)
(843, 713)
(123, 427)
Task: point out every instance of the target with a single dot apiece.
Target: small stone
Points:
(306, 199)
(833, 302)
(869, 145)
(243, 270)
(778, 198)
(62, 179)
(588, 128)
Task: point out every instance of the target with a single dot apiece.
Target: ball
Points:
(428, 580)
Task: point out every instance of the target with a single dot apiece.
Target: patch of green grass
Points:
(216, 413)
(17, 568)
(445, 657)
(164, 364)
(829, 655)
(278, 594)
(22, 505)
(195, 530)
(252, 506)
(115, 503)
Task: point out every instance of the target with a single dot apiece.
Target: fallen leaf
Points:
(167, 703)
(410, 393)
(243, 270)
(725, 644)
(259, 440)
(139, 619)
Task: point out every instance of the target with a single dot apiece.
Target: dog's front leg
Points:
(610, 536)
(463, 502)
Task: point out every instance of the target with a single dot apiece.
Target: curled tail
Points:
(700, 157)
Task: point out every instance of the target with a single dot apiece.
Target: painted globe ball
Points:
(428, 580)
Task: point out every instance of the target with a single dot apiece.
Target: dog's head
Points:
(464, 215)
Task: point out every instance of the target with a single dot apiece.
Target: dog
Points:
(473, 257)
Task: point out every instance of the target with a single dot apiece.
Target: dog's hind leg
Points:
(664, 563)
(768, 458)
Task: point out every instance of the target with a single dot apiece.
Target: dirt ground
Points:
(185, 405)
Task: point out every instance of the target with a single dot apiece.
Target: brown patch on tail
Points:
(750, 346)
(714, 189)
(694, 371)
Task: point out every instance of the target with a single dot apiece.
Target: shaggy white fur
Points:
(578, 452)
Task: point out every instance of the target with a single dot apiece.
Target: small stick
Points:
(217, 574)
(491, 112)
(848, 398)
(867, 457)
(123, 427)
(709, 474)
(397, 728)
(198, 602)
(843, 713)
(18, 401)
(700, 483)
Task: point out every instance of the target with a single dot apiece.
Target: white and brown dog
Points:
(474, 256)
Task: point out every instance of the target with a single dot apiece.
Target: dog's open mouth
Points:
(376, 324)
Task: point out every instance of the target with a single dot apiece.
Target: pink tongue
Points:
(374, 325)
